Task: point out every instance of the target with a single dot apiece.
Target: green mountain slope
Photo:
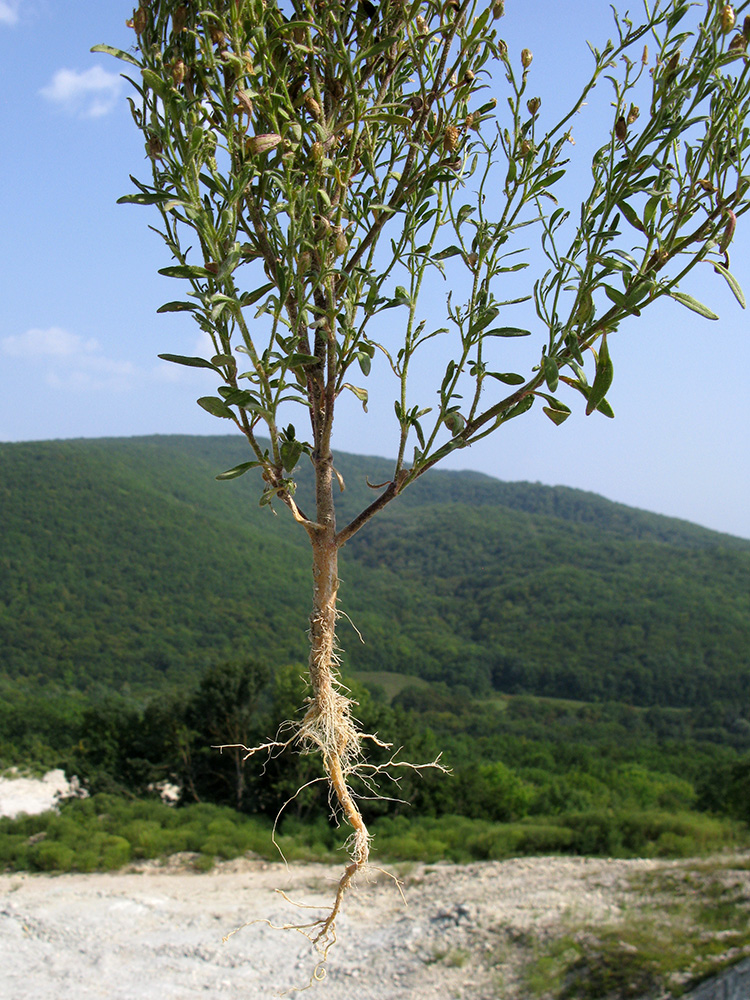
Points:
(123, 560)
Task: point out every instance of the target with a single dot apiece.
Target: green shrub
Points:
(48, 856)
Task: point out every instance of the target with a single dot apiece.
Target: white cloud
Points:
(71, 361)
(8, 11)
(89, 94)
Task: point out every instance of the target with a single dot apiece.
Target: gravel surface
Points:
(159, 933)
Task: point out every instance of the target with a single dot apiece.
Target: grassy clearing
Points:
(680, 926)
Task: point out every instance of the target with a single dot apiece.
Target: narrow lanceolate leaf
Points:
(732, 282)
(690, 303)
(117, 53)
(179, 359)
(144, 198)
(184, 271)
(509, 378)
(361, 394)
(630, 215)
(602, 380)
(238, 470)
(176, 307)
(507, 331)
(216, 407)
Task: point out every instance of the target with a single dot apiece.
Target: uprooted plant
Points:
(315, 164)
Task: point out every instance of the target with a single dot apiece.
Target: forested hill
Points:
(123, 560)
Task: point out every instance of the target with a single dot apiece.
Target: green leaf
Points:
(451, 251)
(238, 470)
(365, 362)
(551, 372)
(690, 303)
(556, 416)
(732, 282)
(361, 394)
(374, 50)
(483, 320)
(216, 407)
(629, 212)
(300, 360)
(144, 198)
(602, 379)
(290, 453)
(605, 408)
(176, 307)
(184, 271)
(526, 403)
(509, 378)
(507, 331)
(117, 53)
(155, 82)
(249, 298)
(179, 359)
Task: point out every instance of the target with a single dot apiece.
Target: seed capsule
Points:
(746, 28)
(526, 57)
(533, 105)
(728, 233)
(313, 107)
(179, 72)
(341, 243)
(470, 120)
(525, 147)
(621, 129)
(138, 21)
(727, 19)
(498, 9)
(154, 147)
(450, 138)
(262, 143)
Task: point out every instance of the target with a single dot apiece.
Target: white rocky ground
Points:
(159, 932)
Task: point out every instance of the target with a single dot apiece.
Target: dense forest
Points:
(582, 667)
(123, 561)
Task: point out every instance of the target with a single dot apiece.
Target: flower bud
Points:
(727, 19)
(644, 57)
(421, 25)
(454, 422)
(469, 76)
(470, 121)
(621, 129)
(746, 29)
(262, 143)
(322, 226)
(738, 43)
(533, 105)
(317, 152)
(526, 57)
(154, 147)
(498, 9)
(217, 35)
(525, 147)
(633, 114)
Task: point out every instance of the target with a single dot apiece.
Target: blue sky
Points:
(79, 334)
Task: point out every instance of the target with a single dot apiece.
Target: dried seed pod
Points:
(621, 129)
(312, 106)
(179, 19)
(138, 21)
(179, 72)
(534, 104)
(317, 152)
(471, 121)
(341, 243)
(633, 114)
(469, 76)
(502, 49)
(525, 147)
(322, 226)
(154, 147)
(707, 186)
(421, 25)
(471, 259)
(450, 138)
(738, 43)
(727, 19)
(746, 28)
(728, 233)
(498, 9)
(526, 58)
(217, 35)
(262, 143)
